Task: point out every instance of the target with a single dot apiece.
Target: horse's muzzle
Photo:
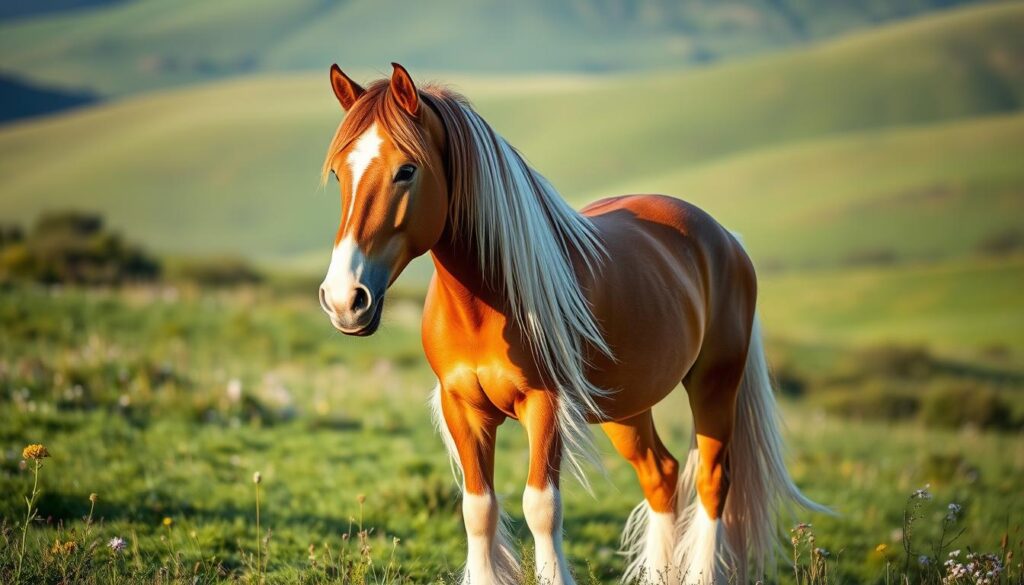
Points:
(354, 312)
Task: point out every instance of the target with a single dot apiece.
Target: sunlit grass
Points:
(165, 405)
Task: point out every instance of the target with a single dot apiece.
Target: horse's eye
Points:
(405, 173)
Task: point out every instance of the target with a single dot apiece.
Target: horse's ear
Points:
(404, 90)
(346, 90)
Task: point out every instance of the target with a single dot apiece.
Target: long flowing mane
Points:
(526, 236)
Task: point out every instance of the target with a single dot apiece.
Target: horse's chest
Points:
(477, 362)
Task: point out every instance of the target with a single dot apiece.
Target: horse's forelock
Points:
(377, 106)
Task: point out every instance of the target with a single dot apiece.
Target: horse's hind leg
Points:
(712, 392)
(542, 501)
(649, 537)
(712, 385)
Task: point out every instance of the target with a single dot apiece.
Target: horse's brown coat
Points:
(674, 299)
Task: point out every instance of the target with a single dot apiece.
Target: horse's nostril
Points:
(360, 299)
(323, 300)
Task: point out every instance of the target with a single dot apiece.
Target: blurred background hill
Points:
(120, 46)
(834, 136)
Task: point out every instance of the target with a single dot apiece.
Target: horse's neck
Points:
(457, 264)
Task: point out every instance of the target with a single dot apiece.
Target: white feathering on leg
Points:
(702, 551)
(648, 541)
(489, 560)
(632, 545)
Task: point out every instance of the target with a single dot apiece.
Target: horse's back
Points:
(675, 285)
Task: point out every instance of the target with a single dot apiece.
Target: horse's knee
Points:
(712, 481)
(542, 509)
(480, 514)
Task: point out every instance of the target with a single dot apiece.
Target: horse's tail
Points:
(761, 489)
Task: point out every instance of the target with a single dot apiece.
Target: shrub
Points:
(873, 402)
(898, 361)
(72, 247)
(1001, 243)
(870, 257)
(217, 272)
(10, 234)
(963, 404)
(788, 380)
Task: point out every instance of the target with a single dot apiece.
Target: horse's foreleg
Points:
(471, 433)
(542, 502)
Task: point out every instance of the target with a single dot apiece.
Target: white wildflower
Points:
(923, 493)
(117, 544)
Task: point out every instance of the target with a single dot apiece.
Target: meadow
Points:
(875, 176)
(164, 401)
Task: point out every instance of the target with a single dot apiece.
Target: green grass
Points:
(232, 167)
(963, 307)
(128, 391)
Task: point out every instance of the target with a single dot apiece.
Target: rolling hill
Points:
(19, 100)
(967, 307)
(113, 48)
(906, 194)
(232, 167)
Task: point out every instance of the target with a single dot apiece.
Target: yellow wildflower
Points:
(881, 548)
(168, 521)
(35, 452)
(63, 548)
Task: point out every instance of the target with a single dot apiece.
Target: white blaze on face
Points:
(366, 149)
(347, 260)
(347, 264)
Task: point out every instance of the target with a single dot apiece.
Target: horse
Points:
(561, 319)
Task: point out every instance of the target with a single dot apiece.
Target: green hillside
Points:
(119, 47)
(885, 196)
(964, 307)
(232, 167)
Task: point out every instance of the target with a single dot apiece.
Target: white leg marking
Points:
(649, 540)
(490, 560)
(480, 513)
(702, 551)
(543, 511)
(660, 546)
(367, 148)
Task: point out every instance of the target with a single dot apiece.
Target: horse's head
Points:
(386, 156)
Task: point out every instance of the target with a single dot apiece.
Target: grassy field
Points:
(132, 394)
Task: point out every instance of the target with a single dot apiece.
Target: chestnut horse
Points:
(561, 319)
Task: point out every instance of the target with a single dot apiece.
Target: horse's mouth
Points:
(365, 330)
